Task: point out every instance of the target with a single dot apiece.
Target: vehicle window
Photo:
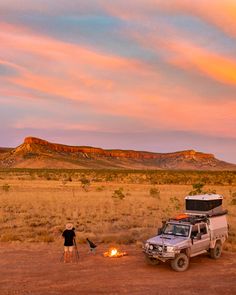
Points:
(176, 229)
(203, 229)
(194, 231)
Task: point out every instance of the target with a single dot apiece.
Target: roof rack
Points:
(193, 219)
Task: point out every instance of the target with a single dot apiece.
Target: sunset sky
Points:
(145, 75)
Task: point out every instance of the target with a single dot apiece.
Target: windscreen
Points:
(176, 229)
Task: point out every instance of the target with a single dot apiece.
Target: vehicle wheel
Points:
(215, 253)
(180, 263)
(152, 261)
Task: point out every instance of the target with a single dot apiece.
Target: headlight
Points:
(170, 249)
(151, 247)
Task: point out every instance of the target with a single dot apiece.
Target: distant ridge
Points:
(39, 153)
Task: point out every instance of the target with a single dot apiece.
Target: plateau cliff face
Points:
(39, 153)
(189, 154)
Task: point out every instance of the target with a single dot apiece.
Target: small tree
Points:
(6, 187)
(198, 189)
(155, 192)
(85, 183)
(118, 194)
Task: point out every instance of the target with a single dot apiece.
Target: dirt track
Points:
(37, 270)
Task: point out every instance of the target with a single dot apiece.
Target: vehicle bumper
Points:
(163, 256)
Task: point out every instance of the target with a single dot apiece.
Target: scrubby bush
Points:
(118, 194)
(198, 189)
(233, 201)
(175, 201)
(6, 187)
(85, 183)
(100, 188)
(155, 192)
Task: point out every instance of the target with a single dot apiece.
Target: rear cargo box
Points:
(208, 204)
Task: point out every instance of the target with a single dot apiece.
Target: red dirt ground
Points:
(37, 270)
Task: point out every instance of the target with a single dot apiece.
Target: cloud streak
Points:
(216, 12)
(189, 56)
(137, 66)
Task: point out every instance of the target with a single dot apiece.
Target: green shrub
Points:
(198, 189)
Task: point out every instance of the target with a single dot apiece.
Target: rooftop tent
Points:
(203, 203)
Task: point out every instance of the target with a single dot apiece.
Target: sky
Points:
(139, 74)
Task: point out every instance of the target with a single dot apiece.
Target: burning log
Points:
(114, 253)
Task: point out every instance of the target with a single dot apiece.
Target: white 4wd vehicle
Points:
(202, 228)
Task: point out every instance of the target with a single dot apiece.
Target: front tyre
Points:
(215, 253)
(180, 263)
(151, 260)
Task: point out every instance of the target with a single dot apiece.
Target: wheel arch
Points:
(214, 242)
(186, 251)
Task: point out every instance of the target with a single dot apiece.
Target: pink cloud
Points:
(47, 124)
(217, 12)
(117, 86)
(62, 69)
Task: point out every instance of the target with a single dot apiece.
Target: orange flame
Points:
(114, 252)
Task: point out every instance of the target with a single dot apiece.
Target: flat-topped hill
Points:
(38, 153)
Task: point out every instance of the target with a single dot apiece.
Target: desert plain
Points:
(119, 208)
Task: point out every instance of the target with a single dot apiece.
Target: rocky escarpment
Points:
(30, 142)
(39, 153)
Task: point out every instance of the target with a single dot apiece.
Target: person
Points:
(69, 236)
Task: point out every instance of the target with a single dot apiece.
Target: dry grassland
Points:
(127, 208)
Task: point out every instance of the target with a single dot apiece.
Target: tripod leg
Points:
(62, 257)
(76, 251)
(76, 254)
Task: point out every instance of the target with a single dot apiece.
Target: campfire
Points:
(114, 253)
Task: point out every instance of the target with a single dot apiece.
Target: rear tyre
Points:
(215, 253)
(151, 260)
(180, 263)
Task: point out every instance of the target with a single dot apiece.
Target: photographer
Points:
(69, 236)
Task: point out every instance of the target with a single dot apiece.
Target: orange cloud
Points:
(184, 54)
(217, 12)
(62, 69)
(218, 67)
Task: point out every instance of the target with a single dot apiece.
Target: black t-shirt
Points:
(69, 235)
